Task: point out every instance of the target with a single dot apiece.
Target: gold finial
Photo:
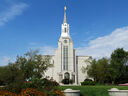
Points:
(65, 8)
(65, 18)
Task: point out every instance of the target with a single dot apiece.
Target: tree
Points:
(99, 70)
(102, 70)
(113, 70)
(33, 65)
(2, 71)
(119, 60)
(11, 77)
(91, 70)
(28, 67)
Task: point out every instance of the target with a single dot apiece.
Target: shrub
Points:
(54, 83)
(36, 87)
(71, 81)
(35, 83)
(56, 93)
(28, 85)
(47, 82)
(49, 85)
(88, 83)
(7, 93)
(31, 92)
(60, 93)
(65, 81)
(24, 92)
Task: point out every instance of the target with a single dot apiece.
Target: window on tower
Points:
(65, 58)
(65, 30)
(65, 41)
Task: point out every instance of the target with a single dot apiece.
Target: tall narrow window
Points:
(65, 30)
(65, 58)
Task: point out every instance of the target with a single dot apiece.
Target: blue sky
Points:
(97, 27)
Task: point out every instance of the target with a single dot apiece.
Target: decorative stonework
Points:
(117, 92)
(70, 92)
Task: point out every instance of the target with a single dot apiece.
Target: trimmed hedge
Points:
(88, 83)
(67, 81)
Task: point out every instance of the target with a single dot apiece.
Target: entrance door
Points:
(66, 77)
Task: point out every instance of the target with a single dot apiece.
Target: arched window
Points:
(66, 75)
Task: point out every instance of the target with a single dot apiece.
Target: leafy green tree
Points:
(28, 67)
(2, 71)
(11, 77)
(99, 70)
(119, 63)
(102, 69)
(91, 70)
(33, 65)
(113, 70)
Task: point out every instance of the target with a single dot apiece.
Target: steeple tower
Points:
(66, 65)
(65, 26)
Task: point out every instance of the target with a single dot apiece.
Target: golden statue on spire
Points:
(65, 8)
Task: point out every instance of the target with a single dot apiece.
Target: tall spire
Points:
(65, 18)
(65, 26)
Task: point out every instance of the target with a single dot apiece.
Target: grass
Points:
(93, 90)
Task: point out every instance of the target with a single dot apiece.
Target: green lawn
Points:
(94, 90)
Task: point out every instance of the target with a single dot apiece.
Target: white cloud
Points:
(43, 49)
(12, 12)
(97, 48)
(4, 60)
(104, 46)
(47, 50)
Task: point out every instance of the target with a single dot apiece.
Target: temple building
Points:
(66, 65)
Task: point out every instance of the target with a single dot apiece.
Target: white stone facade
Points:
(65, 62)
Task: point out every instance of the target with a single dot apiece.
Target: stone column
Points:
(70, 75)
(76, 79)
(63, 76)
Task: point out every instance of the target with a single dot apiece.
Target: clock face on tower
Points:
(65, 41)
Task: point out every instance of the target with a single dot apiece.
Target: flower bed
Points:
(24, 92)
(30, 92)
